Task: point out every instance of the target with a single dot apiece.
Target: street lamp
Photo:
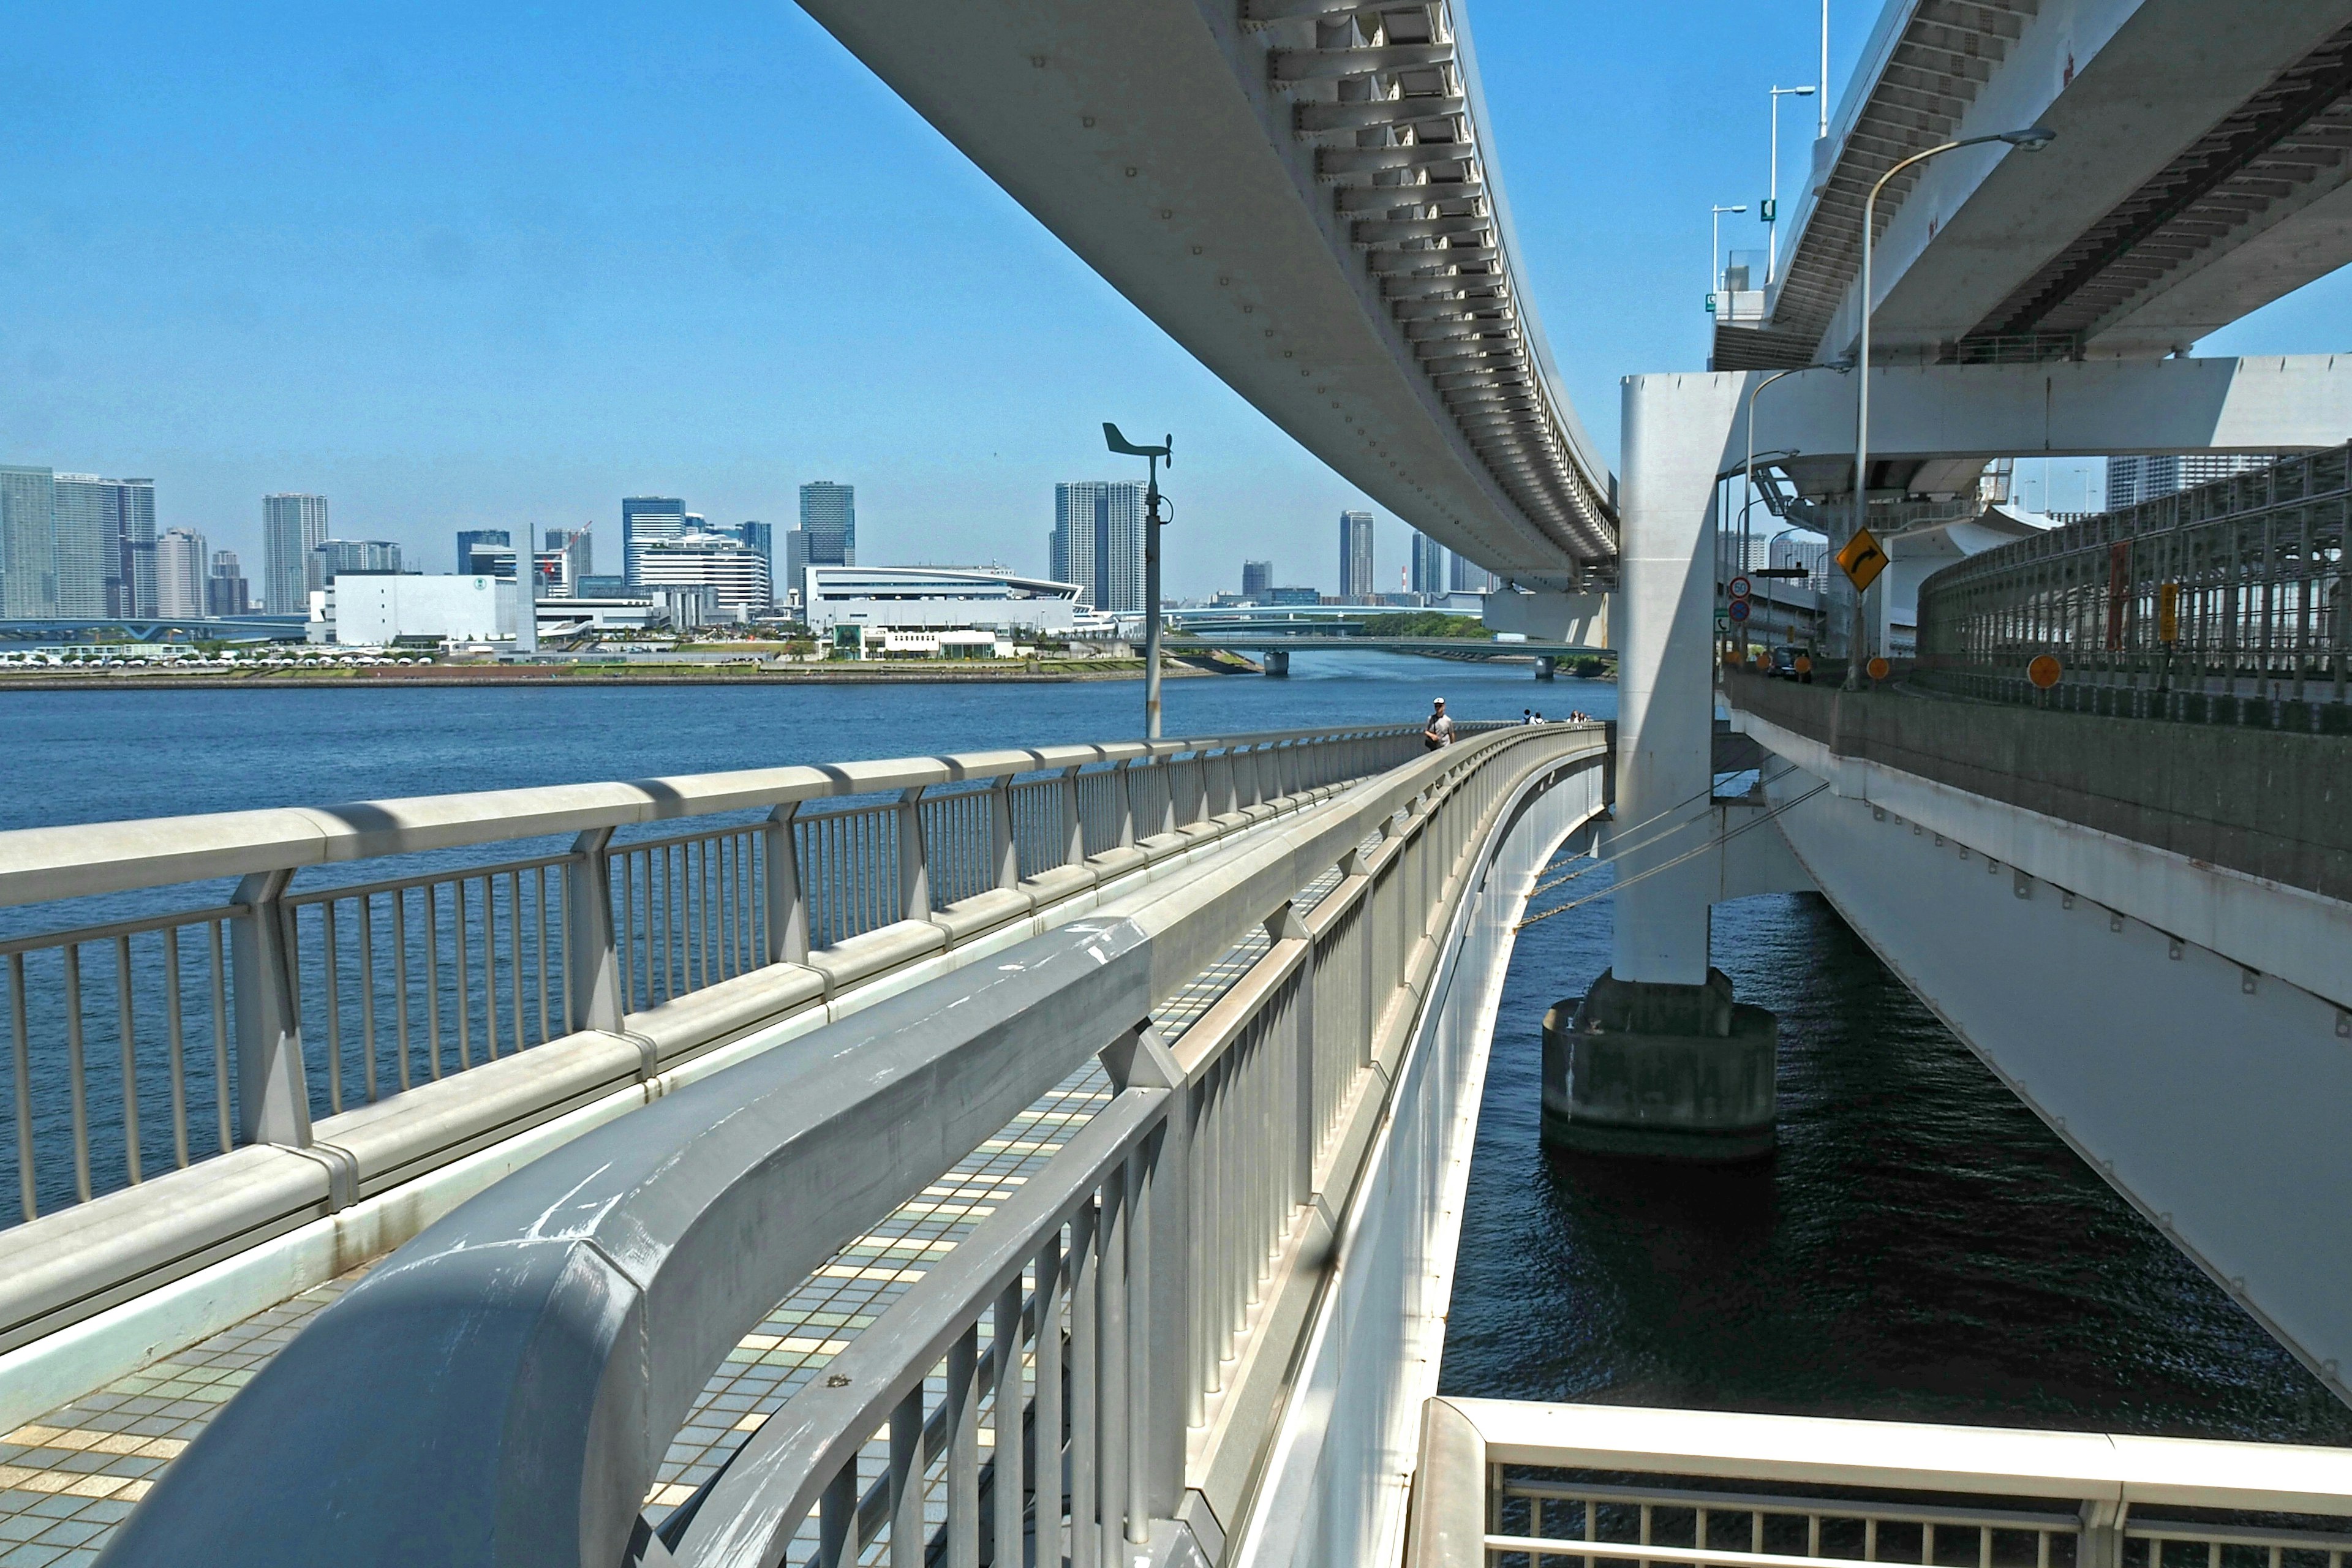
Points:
(2033, 139)
(1154, 457)
(1714, 254)
(1772, 200)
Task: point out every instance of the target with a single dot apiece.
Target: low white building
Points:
(378, 611)
(936, 598)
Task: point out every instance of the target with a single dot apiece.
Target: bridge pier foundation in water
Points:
(1276, 662)
(1546, 666)
(1678, 1072)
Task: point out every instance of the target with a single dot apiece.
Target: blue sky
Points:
(489, 266)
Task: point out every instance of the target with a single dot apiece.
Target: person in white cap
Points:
(1439, 730)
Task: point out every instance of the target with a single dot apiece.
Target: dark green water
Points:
(1920, 1248)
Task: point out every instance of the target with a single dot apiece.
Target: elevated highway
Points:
(1302, 194)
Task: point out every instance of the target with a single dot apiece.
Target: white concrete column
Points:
(1676, 429)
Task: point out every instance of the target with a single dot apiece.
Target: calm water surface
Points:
(1921, 1246)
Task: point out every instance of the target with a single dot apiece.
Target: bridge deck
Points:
(68, 1479)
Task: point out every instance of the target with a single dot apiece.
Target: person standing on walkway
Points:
(1439, 730)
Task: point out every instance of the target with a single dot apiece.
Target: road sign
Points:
(2044, 671)
(2168, 612)
(1738, 609)
(1739, 587)
(1862, 560)
(1878, 669)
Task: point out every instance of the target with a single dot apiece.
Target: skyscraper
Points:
(292, 526)
(180, 575)
(1356, 584)
(1469, 577)
(1257, 579)
(129, 529)
(829, 523)
(354, 557)
(468, 538)
(578, 548)
(644, 519)
(81, 544)
(1428, 577)
(795, 566)
(225, 590)
(762, 540)
(28, 555)
(2131, 481)
(1098, 541)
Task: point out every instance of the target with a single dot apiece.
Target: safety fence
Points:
(2230, 603)
(1034, 1396)
(155, 1043)
(1503, 1482)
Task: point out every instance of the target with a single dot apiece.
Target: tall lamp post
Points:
(1154, 457)
(1715, 255)
(2033, 139)
(1772, 185)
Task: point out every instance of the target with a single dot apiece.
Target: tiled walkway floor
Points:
(67, 1478)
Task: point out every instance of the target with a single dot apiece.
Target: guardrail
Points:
(1038, 1384)
(1612, 1485)
(2230, 603)
(157, 1042)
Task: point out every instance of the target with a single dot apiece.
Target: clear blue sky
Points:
(458, 265)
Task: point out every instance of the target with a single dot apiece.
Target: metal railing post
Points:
(914, 861)
(1074, 824)
(273, 1101)
(787, 904)
(1159, 1349)
(1004, 851)
(592, 962)
(1284, 925)
(1126, 782)
(2101, 1544)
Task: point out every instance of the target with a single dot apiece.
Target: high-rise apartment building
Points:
(130, 529)
(180, 575)
(225, 590)
(2131, 481)
(1427, 577)
(1258, 580)
(1098, 541)
(470, 538)
(829, 523)
(1356, 583)
(737, 574)
(759, 539)
(360, 557)
(644, 519)
(80, 545)
(28, 555)
(1469, 577)
(292, 526)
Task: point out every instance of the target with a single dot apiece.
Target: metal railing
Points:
(1507, 1482)
(2230, 603)
(155, 1043)
(1036, 1389)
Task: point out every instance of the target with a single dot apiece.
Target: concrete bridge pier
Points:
(1546, 666)
(1658, 1059)
(1276, 662)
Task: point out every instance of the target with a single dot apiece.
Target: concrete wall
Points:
(2273, 804)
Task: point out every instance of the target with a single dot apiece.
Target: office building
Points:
(28, 559)
(1356, 583)
(1258, 580)
(909, 598)
(80, 545)
(759, 538)
(595, 585)
(643, 520)
(1428, 570)
(180, 575)
(340, 557)
(470, 538)
(829, 523)
(795, 565)
(490, 561)
(1469, 577)
(226, 592)
(2131, 481)
(292, 526)
(1097, 542)
(737, 575)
